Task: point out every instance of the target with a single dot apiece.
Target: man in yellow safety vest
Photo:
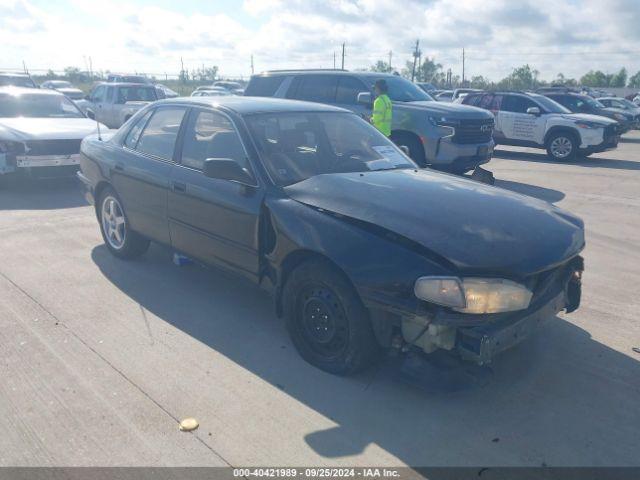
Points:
(381, 118)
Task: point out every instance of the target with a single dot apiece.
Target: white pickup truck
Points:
(114, 103)
(532, 120)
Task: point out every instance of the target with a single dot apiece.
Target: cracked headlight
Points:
(474, 295)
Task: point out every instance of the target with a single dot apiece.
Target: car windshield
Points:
(402, 90)
(297, 146)
(136, 93)
(626, 103)
(60, 84)
(38, 106)
(593, 102)
(550, 106)
(17, 81)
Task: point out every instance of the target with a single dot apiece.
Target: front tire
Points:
(416, 150)
(114, 226)
(562, 146)
(326, 320)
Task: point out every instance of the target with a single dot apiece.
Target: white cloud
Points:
(551, 35)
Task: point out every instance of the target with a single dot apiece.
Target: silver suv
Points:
(115, 103)
(450, 137)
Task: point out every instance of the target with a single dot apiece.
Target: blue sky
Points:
(568, 36)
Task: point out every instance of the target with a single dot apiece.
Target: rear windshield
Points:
(136, 93)
(16, 81)
(38, 106)
(297, 146)
(263, 86)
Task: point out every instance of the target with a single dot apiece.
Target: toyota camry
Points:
(362, 250)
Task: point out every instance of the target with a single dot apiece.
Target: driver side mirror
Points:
(364, 98)
(227, 169)
(405, 150)
(91, 114)
(533, 111)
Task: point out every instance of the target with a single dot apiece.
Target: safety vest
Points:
(381, 117)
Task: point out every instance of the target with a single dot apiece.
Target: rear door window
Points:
(348, 90)
(159, 136)
(316, 88)
(517, 104)
(134, 134)
(264, 86)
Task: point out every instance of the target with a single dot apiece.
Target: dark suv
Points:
(580, 103)
(450, 137)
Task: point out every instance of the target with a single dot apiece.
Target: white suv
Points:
(532, 120)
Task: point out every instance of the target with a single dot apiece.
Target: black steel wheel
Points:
(327, 322)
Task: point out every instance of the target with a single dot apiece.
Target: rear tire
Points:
(562, 146)
(114, 226)
(326, 320)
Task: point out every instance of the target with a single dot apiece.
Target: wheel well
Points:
(98, 191)
(398, 135)
(291, 262)
(555, 130)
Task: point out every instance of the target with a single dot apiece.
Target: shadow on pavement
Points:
(594, 162)
(29, 194)
(542, 193)
(559, 398)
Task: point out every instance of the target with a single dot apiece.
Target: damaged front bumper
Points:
(562, 291)
(479, 338)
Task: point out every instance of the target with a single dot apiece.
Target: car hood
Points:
(586, 117)
(440, 108)
(22, 128)
(478, 228)
(611, 111)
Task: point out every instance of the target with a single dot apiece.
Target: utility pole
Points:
(24, 66)
(182, 75)
(90, 67)
(390, 57)
(416, 55)
(463, 67)
(251, 64)
(334, 59)
(342, 55)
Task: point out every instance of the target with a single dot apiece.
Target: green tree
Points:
(381, 66)
(73, 74)
(479, 81)
(619, 79)
(594, 79)
(634, 80)
(521, 78)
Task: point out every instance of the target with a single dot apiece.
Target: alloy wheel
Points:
(561, 147)
(113, 222)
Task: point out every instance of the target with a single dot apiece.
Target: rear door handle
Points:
(119, 167)
(179, 187)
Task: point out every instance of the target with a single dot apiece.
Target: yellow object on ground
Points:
(188, 424)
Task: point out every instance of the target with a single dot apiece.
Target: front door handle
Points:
(119, 167)
(179, 187)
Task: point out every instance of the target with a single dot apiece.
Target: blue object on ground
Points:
(180, 260)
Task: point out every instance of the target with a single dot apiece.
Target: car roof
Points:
(125, 84)
(13, 74)
(16, 91)
(325, 72)
(252, 105)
